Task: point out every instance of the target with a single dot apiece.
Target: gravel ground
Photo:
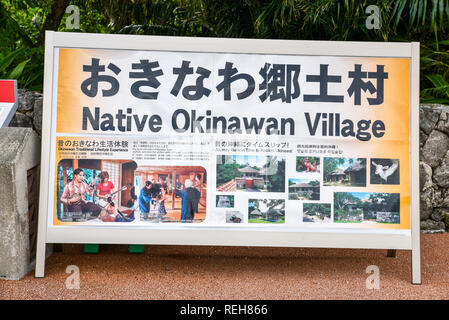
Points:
(188, 272)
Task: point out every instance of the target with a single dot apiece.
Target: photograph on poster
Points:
(303, 189)
(171, 193)
(250, 173)
(121, 191)
(316, 212)
(345, 172)
(234, 217)
(225, 201)
(384, 171)
(266, 210)
(358, 207)
(93, 189)
(308, 164)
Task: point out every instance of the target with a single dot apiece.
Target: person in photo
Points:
(74, 195)
(133, 198)
(145, 198)
(190, 198)
(161, 200)
(198, 186)
(155, 191)
(104, 190)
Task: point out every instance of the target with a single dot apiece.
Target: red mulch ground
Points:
(188, 272)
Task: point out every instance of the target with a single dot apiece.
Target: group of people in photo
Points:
(74, 197)
(98, 199)
(154, 195)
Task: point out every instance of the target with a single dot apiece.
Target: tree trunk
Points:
(53, 19)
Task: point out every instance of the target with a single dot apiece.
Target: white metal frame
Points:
(230, 235)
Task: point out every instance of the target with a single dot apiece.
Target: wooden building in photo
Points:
(336, 175)
(273, 214)
(255, 214)
(251, 178)
(302, 188)
(269, 215)
(356, 173)
(249, 172)
(304, 191)
(352, 205)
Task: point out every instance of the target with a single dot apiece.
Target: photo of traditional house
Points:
(120, 174)
(250, 173)
(366, 207)
(173, 179)
(303, 189)
(338, 175)
(266, 211)
(356, 173)
(344, 172)
(350, 213)
(316, 212)
(250, 178)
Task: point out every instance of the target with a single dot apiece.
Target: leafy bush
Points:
(24, 22)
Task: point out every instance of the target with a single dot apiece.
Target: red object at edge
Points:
(7, 91)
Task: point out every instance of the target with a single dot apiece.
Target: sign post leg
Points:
(414, 162)
(391, 253)
(416, 266)
(45, 158)
(40, 257)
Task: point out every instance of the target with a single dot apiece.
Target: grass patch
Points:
(265, 221)
(344, 221)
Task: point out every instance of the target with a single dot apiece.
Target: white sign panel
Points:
(156, 140)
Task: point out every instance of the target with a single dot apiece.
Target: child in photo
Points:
(161, 200)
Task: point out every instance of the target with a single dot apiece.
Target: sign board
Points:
(229, 142)
(8, 101)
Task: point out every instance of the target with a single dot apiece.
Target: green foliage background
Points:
(426, 21)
